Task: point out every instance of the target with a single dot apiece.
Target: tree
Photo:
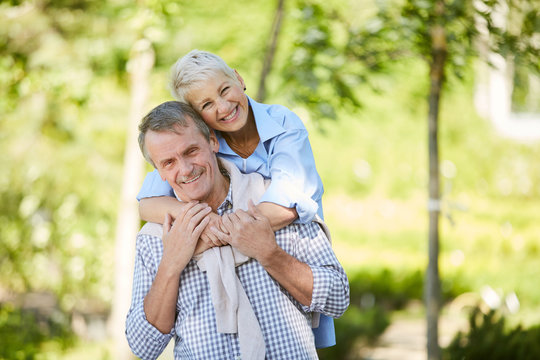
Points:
(336, 52)
(140, 65)
(270, 50)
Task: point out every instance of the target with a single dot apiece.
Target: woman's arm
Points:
(278, 216)
(154, 209)
(295, 180)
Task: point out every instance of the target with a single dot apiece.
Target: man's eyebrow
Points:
(190, 148)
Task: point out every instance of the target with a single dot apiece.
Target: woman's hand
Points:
(213, 235)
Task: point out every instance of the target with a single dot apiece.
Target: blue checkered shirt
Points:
(285, 323)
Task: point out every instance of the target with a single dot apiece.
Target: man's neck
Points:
(222, 184)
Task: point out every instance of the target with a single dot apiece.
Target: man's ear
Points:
(214, 143)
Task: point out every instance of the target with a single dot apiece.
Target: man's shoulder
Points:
(151, 229)
(149, 238)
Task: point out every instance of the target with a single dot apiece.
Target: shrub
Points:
(488, 338)
(23, 332)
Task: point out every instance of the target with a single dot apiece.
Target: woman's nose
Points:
(222, 105)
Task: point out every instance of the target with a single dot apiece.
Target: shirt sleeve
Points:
(144, 339)
(331, 293)
(295, 181)
(153, 185)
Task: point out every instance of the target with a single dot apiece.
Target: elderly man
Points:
(184, 289)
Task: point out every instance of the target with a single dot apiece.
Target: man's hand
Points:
(251, 233)
(181, 235)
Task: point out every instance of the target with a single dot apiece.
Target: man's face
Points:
(187, 161)
(221, 102)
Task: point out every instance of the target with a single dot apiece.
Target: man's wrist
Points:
(273, 258)
(170, 268)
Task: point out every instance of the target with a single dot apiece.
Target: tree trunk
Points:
(433, 287)
(139, 67)
(270, 51)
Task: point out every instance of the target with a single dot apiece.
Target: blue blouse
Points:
(283, 154)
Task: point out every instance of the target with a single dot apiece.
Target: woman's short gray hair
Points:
(166, 117)
(194, 67)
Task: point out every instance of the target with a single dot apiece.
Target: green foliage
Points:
(489, 338)
(25, 332)
(334, 53)
(375, 294)
(64, 100)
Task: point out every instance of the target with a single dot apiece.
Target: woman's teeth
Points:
(230, 116)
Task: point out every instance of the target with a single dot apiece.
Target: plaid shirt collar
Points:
(226, 206)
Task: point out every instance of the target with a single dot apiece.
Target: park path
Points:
(405, 338)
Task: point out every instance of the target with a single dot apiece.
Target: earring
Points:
(244, 88)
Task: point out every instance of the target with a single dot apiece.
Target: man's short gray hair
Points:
(167, 117)
(195, 67)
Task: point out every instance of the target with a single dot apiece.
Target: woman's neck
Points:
(244, 141)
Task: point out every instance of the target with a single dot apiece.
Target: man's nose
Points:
(185, 168)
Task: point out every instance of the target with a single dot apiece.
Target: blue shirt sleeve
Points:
(295, 181)
(153, 185)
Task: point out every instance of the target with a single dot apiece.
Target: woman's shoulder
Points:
(284, 116)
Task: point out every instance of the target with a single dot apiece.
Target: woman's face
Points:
(221, 102)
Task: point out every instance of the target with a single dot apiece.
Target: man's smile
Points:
(189, 181)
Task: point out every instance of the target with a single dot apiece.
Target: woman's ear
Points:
(242, 84)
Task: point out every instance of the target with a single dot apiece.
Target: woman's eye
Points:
(206, 106)
(225, 89)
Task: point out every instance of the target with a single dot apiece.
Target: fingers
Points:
(185, 209)
(244, 216)
(229, 222)
(221, 237)
(195, 215)
(167, 223)
(210, 238)
(190, 217)
(199, 228)
(252, 209)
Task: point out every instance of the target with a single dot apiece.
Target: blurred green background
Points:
(65, 104)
